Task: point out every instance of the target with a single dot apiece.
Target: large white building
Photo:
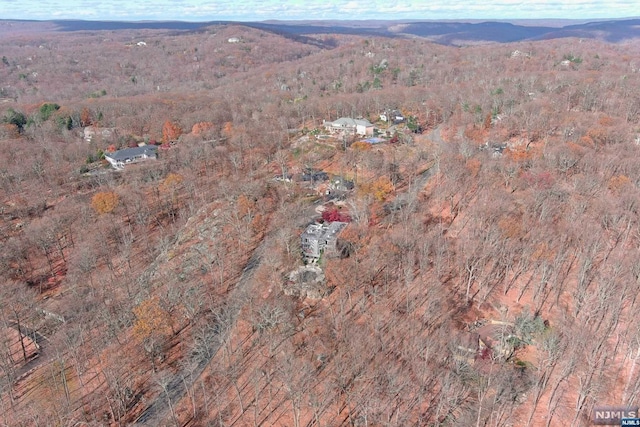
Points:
(351, 126)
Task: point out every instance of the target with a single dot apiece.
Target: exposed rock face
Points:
(306, 282)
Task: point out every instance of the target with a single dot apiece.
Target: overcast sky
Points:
(259, 10)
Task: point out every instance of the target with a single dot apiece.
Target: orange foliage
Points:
(448, 133)
(518, 154)
(476, 134)
(104, 202)
(605, 121)
(473, 165)
(228, 129)
(151, 319)
(617, 182)
(487, 121)
(85, 117)
(380, 188)
(245, 205)
(201, 127)
(258, 224)
(361, 146)
(171, 182)
(170, 131)
(511, 227)
(586, 141)
(599, 135)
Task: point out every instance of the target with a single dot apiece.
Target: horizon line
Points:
(322, 20)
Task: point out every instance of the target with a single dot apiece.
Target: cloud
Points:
(245, 10)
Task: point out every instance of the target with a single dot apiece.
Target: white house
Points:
(348, 125)
(394, 116)
(120, 158)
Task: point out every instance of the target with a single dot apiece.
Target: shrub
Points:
(16, 118)
(46, 110)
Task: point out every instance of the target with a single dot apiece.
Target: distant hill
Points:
(442, 32)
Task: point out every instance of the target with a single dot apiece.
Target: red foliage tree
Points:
(334, 214)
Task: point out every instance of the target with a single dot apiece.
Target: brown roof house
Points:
(499, 338)
(495, 340)
(319, 238)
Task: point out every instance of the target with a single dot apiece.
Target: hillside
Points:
(487, 273)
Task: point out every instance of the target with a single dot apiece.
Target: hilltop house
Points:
(350, 126)
(120, 158)
(319, 238)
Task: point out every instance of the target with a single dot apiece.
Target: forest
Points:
(487, 275)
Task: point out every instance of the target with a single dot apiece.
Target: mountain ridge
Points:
(442, 32)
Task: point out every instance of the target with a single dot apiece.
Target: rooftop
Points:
(127, 153)
(347, 121)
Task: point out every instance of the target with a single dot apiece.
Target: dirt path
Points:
(42, 341)
(158, 410)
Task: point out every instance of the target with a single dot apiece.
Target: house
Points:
(314, 176)
(495, 148)
(96, 134)
(234, 40)
(393, 116)
(499, 338)
(319, 238)
(120, 158)
(466, 347)
(350, 126)
(340, 184)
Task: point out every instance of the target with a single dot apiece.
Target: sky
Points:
(261, 10)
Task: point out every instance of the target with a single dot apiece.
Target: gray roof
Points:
(128, 153)
(325, 230)
(347, 121)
